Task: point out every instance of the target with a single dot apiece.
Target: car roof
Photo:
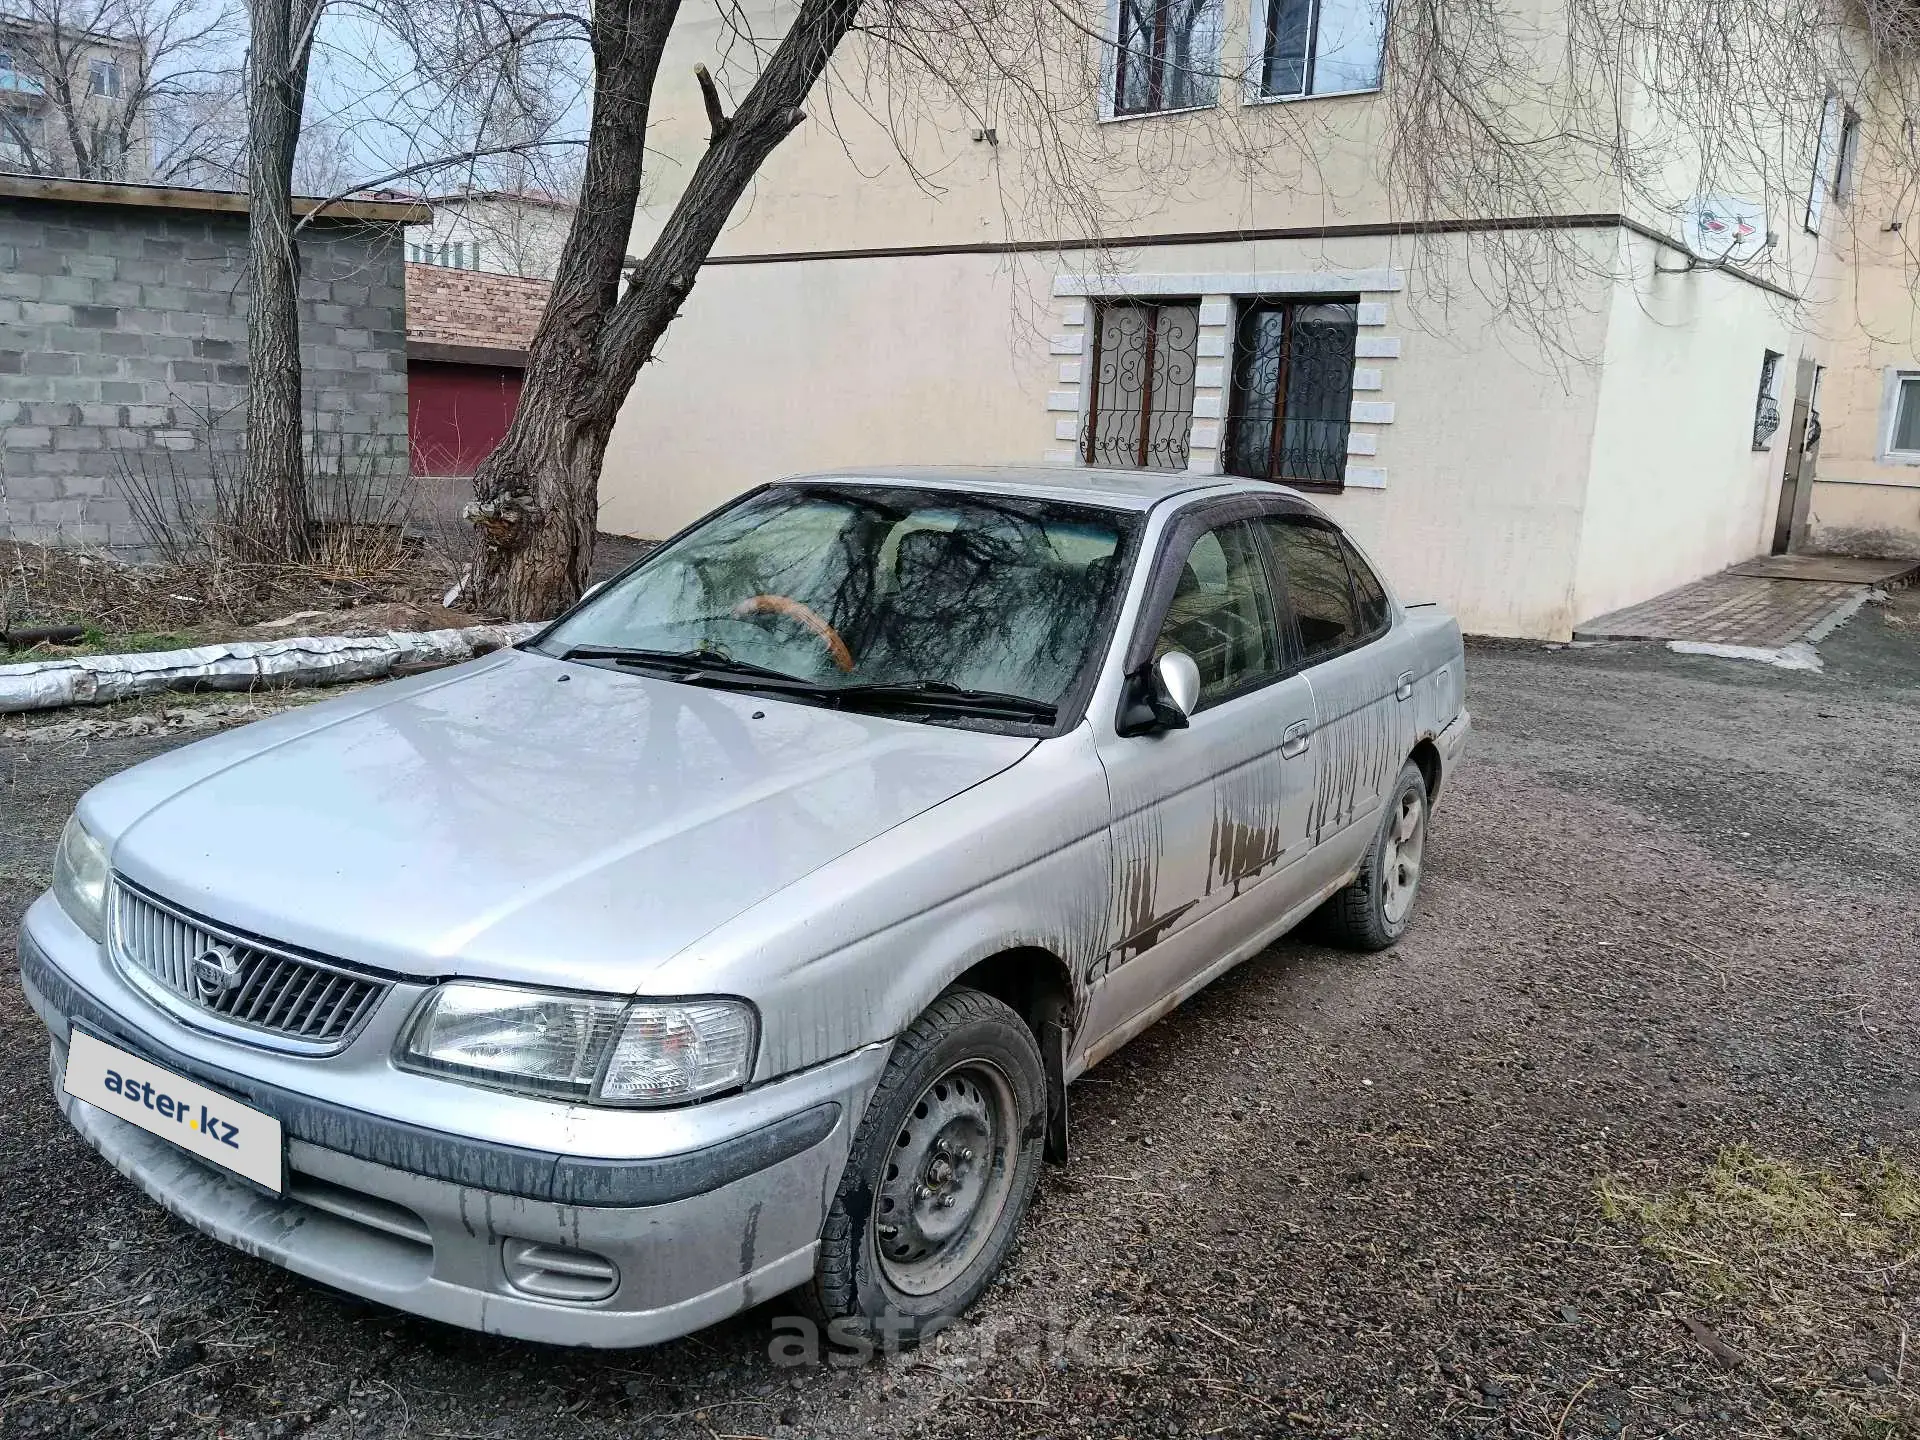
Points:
(1113, 489)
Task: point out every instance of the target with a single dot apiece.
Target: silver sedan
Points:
(742, 932)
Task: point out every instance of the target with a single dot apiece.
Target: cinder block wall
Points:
(123, 350)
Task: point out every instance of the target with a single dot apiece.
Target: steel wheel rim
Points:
(1400, 862)
(947, 1178)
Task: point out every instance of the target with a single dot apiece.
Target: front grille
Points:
(240, 979)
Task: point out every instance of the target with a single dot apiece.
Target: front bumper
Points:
(463, 1229)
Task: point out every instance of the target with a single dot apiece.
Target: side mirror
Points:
(1180, 680)
(1161, 696)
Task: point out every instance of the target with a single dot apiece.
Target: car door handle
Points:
(1404, 690)
(1295, 739)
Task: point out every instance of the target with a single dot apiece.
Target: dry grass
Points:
(128, 606)
(1807, 1275)
(1734, 1224)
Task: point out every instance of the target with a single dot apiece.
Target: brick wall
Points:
(472, 307)
(123, 339)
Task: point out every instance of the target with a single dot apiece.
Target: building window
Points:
(1766, 409)
(1322, 47)
(1140, 406)
(1903, 417)
(13, 80)
(1849, 149)
(22, 138)
(1167, 56)
(1833, 158)
(1292, 395)
(474, 256)
(103, 78)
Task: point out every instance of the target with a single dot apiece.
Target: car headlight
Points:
(80, 878)
(585, 1047)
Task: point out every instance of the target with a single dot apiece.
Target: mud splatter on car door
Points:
(1204, 815)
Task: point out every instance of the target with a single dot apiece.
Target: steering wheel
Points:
(807, 616)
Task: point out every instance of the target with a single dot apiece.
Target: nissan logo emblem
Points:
(216, 970)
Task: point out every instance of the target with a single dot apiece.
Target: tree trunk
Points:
(274, 520)
(536, 498)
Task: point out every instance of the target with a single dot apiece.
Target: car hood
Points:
(523, 818)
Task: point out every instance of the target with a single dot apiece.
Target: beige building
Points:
(1533, 422)
(1863, 491)
(495, 232)
(56, 84)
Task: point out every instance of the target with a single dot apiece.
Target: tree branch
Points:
(424, 167)
(718, 120)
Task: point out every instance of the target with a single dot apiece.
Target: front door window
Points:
(1222, 614)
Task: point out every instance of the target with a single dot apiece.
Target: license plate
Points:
(197, 1119)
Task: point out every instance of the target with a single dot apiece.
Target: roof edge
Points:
(453, 352)
(225, 202)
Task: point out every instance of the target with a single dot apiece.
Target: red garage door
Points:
(456, 414)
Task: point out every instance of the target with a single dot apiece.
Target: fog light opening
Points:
(558, 1272)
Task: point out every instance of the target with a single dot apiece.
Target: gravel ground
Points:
(1620, 1141)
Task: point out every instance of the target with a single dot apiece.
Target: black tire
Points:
(964, 1038)
(1373, 912)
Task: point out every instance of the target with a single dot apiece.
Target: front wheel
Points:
(941, 1170)
(1372, 913)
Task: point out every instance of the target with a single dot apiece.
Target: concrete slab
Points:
(1845, 569)
(1729, 609)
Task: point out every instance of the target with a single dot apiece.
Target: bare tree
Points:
(108, 89)
(280, 51)
(537, 496)
(447, 108)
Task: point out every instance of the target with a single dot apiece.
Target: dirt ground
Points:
(1621, 1141)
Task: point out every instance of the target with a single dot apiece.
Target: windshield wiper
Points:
(943, 695)
(691, 664)
(699, 666)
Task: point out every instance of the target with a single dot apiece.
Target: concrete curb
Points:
(242, 665)
(1840, 614)
(1797, 656)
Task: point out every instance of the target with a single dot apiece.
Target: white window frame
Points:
(1890, 417)
(1772, 364)
(1251, 92)
(103, 67)
(1849, 154)
(1826, 162)
(15, 79)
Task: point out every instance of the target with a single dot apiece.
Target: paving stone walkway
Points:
(1769, 602)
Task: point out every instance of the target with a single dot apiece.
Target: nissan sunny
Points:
(742, 931)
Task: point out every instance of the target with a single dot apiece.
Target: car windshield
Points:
(856, 589)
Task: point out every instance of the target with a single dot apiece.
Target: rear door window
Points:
(1317, 587)
(1370, 594)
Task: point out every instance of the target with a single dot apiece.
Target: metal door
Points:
(1206, 820)
(1796, 481)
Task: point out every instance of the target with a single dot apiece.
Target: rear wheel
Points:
(1372, 913)
(941, 1170)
